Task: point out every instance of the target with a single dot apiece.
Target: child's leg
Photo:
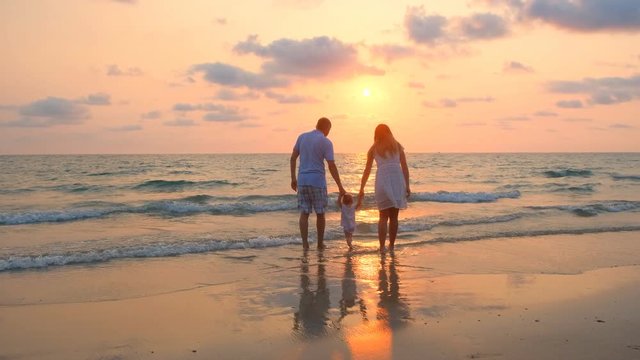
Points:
(349, 236)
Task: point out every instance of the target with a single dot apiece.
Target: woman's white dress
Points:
(391, 191)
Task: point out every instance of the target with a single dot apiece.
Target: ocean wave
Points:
(464, 197)
(146, 251)
(171, 249)
(177, 185)
(568, 173)
(594, 209)
(526, 233)
(625, 177)
(198, 204)
(581, 189)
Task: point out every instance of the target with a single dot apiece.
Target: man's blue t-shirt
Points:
(314, 149)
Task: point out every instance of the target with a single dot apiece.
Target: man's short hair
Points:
(323, 124)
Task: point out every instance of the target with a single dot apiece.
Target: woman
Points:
(392, 182)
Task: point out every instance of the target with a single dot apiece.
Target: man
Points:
(313, 148)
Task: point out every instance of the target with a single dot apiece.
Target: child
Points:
(347, 216)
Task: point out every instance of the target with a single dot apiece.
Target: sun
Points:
(366, 92)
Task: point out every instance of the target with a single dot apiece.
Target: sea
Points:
(73, 210)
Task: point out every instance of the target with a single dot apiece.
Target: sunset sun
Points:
(366, 92)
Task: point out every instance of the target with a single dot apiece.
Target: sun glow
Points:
(366, 92)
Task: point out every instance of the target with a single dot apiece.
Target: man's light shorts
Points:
(312, 198)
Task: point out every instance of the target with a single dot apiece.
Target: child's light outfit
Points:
(348, 217)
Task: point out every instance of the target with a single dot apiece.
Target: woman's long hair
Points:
(384, 142)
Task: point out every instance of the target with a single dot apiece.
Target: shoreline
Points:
(560, 296)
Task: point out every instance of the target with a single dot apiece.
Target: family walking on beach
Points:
(391, 185)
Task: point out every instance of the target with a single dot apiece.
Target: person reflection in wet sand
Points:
(350, 292)
(312, 316)
(392, 307)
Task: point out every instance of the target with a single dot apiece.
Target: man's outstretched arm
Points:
(336, 175)
(294, 158)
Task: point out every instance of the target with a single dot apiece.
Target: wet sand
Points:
(547, 297)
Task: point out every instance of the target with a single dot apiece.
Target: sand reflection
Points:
(312, 316)
(374, 338)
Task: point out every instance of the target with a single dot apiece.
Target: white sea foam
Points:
(464, 197)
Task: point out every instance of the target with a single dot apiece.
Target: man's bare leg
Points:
(320, 227)
(304, 229)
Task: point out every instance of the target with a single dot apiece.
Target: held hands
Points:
(360, 199)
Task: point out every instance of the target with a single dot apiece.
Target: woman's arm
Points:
(365, 176)
(405, 171)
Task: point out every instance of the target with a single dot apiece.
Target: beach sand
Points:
(546, 297)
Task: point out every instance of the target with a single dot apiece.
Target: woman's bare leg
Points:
(382, 227)
(393, 226)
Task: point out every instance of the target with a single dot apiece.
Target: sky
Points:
(209, 76)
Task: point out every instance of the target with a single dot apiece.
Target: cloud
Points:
(437, 30)
(50, 111)
(544, 113)
(601, 91)
(216, 113)
(621, 126)
(96, 99)
(586, 15)
(516, 67)
(180, 123)
(483, 26)
(570, 104)
(229, 75)
(290, 99)
(415, 85)
(221, 21)
(451, 103)
(114, 70)
(229, 95)
(126, 128)
(422, 28)
(391, 52)
(151, 115)
(186, 107)
(125, 1)
(318, 57)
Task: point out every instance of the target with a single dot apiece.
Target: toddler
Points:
(347, 216)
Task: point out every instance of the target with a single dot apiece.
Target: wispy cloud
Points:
(230, 95)
(544, 113)
(114, 70)
(151, 115)
(483, 26)
(221, 21)
(391, 52)
(454, 102)
(577, 15)
(601, 91)
(318, 57)
(180, 123)
(434, 29)
(586, 15)
(125, 128)
(100, 99)
(290, 99)
(621, 126)
(569, 104)
(48, 112)
(415, 85)
(516, 67)
(229, 75)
